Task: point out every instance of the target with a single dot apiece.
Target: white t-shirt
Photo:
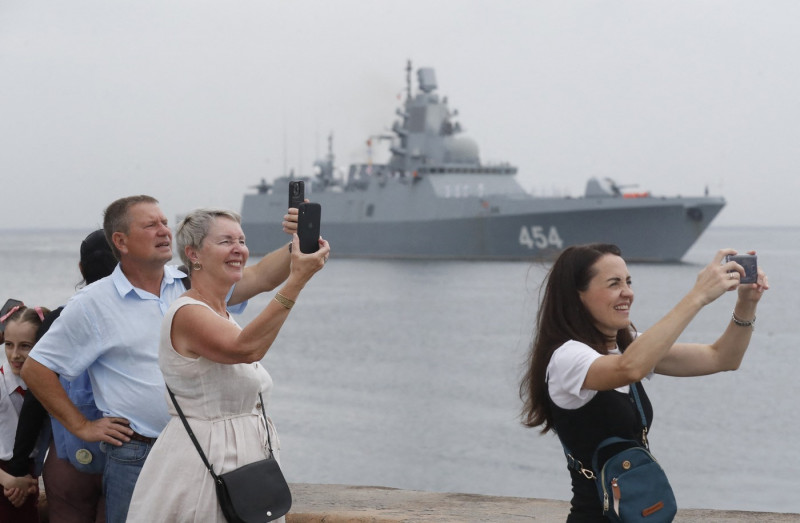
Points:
(567, 371)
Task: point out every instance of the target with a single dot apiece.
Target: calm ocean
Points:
(405, 373)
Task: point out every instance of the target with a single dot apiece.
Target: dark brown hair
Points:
(32, 315)
(97, 259)
(563, 317)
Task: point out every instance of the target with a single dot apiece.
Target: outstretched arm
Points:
(197, 331)
(695, 359)
(270, 271)
(652, 346)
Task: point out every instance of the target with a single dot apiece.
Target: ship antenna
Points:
(408, 80)
(285, 171)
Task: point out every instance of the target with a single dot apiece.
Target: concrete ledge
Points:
(353, 504)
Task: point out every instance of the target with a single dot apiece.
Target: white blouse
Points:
(10, 405)
(567, 371)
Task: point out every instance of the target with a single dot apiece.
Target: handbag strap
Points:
(575, 464)
(209, 466)
(635, 394)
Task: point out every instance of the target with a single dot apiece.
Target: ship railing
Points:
(477, 169)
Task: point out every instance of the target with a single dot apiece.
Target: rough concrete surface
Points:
(353, 504)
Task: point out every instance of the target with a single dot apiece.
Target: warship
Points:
(435, 199)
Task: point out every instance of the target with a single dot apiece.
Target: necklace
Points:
(204, 300)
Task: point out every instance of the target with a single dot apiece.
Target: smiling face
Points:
(609, 295)
(223, 252)
(20, 337)
(148, 240)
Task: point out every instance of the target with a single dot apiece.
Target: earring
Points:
(196, 266)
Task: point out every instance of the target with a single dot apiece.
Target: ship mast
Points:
(408, 80)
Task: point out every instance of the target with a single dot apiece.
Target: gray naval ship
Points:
(434, 199)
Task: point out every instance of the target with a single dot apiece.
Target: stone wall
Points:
(352, 504)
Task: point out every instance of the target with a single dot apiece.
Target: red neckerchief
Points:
(18, 389)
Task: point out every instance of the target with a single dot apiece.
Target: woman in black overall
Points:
(586, 353)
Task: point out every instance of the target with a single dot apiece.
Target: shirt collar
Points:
(171, 273)
(124, 286)
(10, 380)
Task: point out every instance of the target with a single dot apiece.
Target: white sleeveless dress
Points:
(221, 403)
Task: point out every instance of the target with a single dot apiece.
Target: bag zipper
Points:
(615, 492)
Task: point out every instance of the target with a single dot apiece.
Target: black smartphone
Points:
(308, 218)
(750, 264)
(297, 193)
(7, 306)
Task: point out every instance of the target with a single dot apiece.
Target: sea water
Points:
(406, 373)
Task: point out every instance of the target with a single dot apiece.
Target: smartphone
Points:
(308, 218)
(7, 306)
(297, 193)
(750, 264)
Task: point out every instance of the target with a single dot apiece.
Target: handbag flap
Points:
(256, 492)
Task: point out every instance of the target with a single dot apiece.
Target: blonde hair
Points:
(194, 227)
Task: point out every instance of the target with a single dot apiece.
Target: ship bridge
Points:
(426, 136)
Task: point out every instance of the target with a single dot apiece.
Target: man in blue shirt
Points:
(111, 328)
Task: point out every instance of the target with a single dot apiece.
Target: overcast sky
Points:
(194, 101)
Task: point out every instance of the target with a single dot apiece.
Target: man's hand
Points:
(115, 431)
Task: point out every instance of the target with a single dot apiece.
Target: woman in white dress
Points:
(212, 366)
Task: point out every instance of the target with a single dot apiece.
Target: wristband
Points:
(742, 323)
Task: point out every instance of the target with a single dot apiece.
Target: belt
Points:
(144, 439)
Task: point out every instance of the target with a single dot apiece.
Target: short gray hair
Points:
(194, 227)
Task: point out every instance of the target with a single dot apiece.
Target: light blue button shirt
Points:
(112, 329)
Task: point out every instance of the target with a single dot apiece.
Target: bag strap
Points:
(209, 466)
(575, 464)
(635, 394)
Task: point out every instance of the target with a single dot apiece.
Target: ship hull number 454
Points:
(539, 237)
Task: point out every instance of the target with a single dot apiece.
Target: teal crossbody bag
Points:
(631, 484)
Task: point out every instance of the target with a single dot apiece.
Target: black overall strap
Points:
(575, 464)
(209, 466)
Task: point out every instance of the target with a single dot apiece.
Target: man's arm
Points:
(45, 385)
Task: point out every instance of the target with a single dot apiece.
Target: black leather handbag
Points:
(253, 493)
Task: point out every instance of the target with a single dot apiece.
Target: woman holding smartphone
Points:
(213, 368)
(586, 354)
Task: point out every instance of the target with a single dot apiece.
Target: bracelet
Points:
(283, 300)
(742, 323)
